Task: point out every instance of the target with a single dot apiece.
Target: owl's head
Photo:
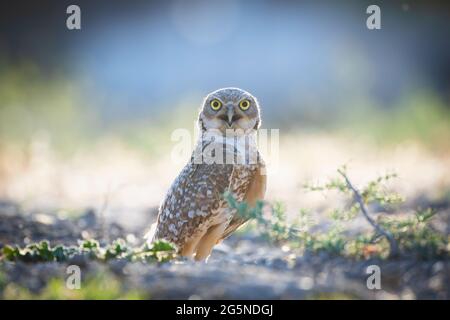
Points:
(229, 108)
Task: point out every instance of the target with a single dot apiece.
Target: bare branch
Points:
(358, 198)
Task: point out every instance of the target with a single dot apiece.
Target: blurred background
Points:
(86, 115)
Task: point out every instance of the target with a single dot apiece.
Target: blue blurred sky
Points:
(291, 54)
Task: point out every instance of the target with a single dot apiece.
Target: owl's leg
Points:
(190, 246)
(209, 240)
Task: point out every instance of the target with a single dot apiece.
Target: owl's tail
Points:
(151, 233)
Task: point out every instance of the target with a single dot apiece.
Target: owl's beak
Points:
(230, 114)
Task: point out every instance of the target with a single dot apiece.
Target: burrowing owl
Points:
(194, 214)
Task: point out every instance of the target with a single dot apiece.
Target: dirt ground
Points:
(114, 192)
(244, 267)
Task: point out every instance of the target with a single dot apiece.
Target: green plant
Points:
(272, 227)
(159, 251)
(416, 236)
(390, 237)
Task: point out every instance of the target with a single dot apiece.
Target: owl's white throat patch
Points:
(233, 147)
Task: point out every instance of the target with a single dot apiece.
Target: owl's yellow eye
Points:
(215, 104)
(244, 104)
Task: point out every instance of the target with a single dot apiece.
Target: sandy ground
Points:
(124, 184)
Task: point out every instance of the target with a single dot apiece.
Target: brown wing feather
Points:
(256, 191)
(193, 201)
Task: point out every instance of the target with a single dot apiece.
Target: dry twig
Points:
(393, 252)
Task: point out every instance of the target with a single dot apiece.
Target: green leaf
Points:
(162, 245)
(10, 253)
